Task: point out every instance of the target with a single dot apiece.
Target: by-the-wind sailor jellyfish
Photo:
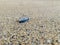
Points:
(23, 19)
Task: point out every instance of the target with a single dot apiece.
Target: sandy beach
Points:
(43, 27)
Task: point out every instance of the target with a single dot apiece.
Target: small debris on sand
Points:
(23, 19)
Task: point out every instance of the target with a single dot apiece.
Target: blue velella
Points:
(23, 19)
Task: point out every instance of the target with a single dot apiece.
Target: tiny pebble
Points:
(49, 41)
(10, 43)
(58, 40)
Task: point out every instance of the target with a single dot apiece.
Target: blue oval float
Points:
(23, 19)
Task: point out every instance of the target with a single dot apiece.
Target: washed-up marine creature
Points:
(23, 19)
